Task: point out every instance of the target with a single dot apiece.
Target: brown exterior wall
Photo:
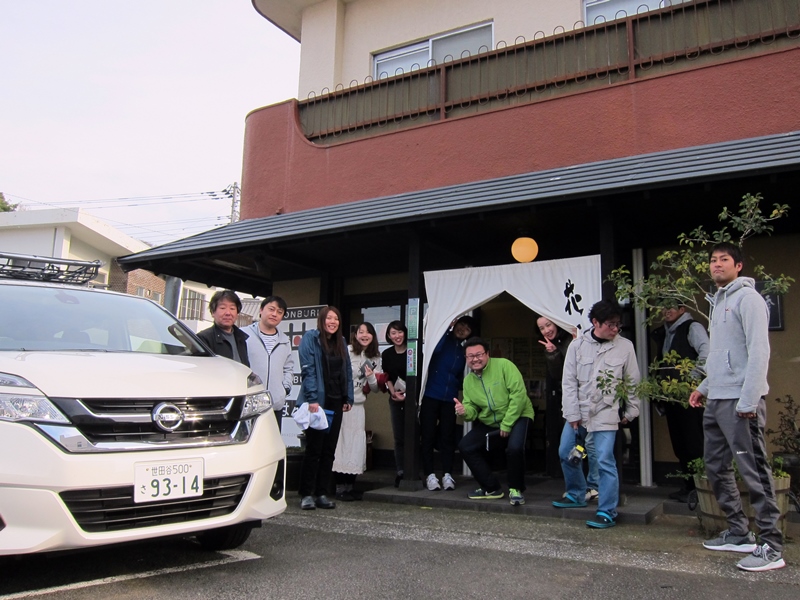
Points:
(119, 281)
(283, 172)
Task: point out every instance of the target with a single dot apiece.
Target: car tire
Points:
(225, 538)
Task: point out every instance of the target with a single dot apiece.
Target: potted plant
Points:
(713, 519)
(786, 437)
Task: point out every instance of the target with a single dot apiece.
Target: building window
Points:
(156, 297)
(140, 291)
(192, 305)
(608, 10)
(436, 50)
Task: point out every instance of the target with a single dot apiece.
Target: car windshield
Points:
(62, 318)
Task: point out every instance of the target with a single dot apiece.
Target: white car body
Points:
(66, 480)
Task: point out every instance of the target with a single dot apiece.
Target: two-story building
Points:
(431, 135)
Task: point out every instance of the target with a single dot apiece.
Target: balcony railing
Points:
(635, 47)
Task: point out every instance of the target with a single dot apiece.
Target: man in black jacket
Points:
(224, 337)
(687, 337)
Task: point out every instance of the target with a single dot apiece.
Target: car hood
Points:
(127, 374)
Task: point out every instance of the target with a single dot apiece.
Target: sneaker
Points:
(763, 558)
(592, 495)
(732, 543)
(433, 483)
(448, 482)
(307, 503)
(569, 502)
(602, 520)
(515, 497)
(481, 494)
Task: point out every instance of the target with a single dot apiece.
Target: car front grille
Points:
(113, 509)
(119, 424)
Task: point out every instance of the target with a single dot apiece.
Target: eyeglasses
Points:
(614, 325)
(474, 356)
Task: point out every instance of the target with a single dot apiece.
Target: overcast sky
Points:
(108, 99)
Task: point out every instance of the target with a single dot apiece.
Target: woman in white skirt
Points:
(351, 451)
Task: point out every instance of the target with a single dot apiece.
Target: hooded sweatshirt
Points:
(276, 368)
(738, 356)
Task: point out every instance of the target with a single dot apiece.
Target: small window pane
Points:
(462, 43)
(401, 61)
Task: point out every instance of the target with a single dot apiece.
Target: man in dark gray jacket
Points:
(270, 352)
(736, 412)
(224, 337)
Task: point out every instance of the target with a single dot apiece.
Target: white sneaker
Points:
(433, 483)
(448, 482)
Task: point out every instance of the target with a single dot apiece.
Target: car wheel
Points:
(225, 538)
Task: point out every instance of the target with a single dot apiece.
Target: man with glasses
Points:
(599, 368)
(496, 399)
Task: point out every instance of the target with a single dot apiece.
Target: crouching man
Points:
(496, 399)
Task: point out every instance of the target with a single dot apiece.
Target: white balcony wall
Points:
(340, 37)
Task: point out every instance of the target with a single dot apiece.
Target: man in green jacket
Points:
(496, 399)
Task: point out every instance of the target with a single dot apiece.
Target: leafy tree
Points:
(5, 206)
(681, 277)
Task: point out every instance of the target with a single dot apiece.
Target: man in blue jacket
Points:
(437, 417)
(736, 412)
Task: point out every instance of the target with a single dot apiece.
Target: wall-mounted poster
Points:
(775, 306)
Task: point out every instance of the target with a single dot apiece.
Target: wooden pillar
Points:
(411, 457)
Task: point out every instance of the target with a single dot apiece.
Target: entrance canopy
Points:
(562, 290)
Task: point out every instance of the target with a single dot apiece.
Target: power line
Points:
(147, 229)
(223, 194)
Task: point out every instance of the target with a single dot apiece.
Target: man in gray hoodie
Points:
(270, 352)
(736, 412)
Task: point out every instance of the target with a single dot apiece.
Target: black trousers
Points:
(437, 422)
(686, 433)
(397, 410)
(554, 425)
(473, 449)
(315, 472)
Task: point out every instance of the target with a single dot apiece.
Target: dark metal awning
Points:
(258, 251)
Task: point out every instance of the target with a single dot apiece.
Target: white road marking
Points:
(233, 556)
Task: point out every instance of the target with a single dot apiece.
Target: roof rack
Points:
(46, 268)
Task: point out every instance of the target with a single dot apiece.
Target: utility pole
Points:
(234, 193)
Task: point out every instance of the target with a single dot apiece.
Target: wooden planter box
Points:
(713, 520)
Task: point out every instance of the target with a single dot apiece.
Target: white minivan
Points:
(118, 424)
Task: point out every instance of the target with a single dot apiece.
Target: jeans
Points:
(473, 450)
(608, 478)
(593, 480)
(397, 410)
(437, 419)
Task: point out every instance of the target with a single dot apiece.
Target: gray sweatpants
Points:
(729, 437)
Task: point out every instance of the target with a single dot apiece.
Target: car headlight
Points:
(27, 405)
(258, 402)
(255, 404)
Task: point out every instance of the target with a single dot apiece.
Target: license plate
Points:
(167, 480)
